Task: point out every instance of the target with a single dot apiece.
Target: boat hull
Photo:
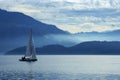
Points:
(28, 60)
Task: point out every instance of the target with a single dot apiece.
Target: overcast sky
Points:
(70, 15)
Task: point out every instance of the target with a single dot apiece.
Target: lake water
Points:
(61, 67)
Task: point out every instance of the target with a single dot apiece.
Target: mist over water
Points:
(66, 40)
(61, 67)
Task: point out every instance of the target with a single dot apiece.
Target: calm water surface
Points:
(61, 67)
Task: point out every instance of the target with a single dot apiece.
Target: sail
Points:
(30, 51)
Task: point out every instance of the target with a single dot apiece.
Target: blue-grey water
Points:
(61, 67)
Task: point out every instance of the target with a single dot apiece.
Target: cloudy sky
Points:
(70, 15)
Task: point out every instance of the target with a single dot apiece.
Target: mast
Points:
(30, 51)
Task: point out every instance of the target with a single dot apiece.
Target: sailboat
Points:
(30, 54)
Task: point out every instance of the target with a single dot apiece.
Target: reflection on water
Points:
(30, 72)
(64, 67)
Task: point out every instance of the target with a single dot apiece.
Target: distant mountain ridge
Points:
(85, 48)
(20, 23)
(15, 26)
(113, 32)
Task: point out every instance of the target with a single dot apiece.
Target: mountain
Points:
(85, 48)
(49, 49)
(106, 33)
(97, 47)
(99, 36)
(15, 26)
